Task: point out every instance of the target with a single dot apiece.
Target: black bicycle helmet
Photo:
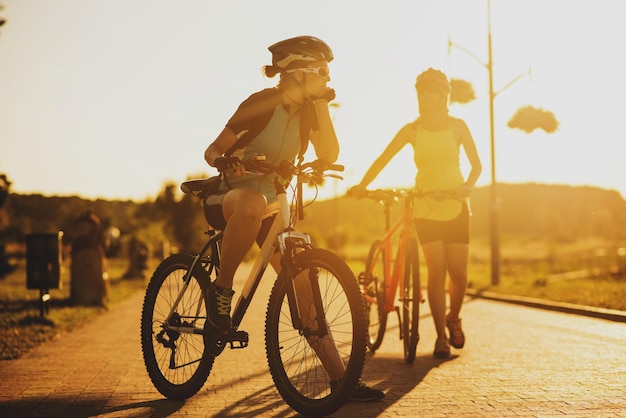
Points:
(432, 77)
(297, 52)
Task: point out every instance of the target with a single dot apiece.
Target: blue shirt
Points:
(278, 141)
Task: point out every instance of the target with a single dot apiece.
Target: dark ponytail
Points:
(270, 71)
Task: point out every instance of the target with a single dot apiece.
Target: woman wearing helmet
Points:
(278, 122)
(442, 224)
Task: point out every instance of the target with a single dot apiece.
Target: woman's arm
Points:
(325, 139)
(219, 146)
(397, 143)
(469, 146)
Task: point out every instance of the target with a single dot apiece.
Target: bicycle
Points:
(179, 350)
(385, 275)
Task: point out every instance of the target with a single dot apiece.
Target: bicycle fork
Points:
(303, 293)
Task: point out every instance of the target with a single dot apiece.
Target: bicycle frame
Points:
(315, 358)
(394, 277)
(288, 242)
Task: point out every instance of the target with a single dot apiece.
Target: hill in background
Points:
(529, 211)
(551, 213)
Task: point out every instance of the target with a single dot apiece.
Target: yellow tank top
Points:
(438, 168)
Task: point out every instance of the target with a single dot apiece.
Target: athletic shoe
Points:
(219, 300)
(362, 392)
(457, 338)
(442, 348)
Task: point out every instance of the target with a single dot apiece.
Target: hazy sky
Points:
(113, 98)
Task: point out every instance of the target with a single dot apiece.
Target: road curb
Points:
(608, 314)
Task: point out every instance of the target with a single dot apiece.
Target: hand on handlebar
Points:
(357, 190)
(229, 164)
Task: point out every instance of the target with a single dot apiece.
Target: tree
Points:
(5, 184)
(2, 20)
(188, 224)
(461, 91)
(528, 118)
(183, 218)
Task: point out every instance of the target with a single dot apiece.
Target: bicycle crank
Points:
(216, 341)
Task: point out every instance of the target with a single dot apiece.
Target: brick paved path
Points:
(518, 361)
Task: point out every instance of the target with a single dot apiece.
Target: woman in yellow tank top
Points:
(442, 225)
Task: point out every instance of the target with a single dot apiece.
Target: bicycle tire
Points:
(411, 301)
(374, 293)
(176, 362)
(295, 367)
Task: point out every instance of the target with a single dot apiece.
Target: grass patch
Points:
(530, 269)
(602, 291)
(21, 325)
(582, 273)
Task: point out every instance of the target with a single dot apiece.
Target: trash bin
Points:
(43, 264)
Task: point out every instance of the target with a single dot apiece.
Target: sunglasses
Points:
(321, 72)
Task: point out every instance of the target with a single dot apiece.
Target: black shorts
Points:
(455, 231)
(215, 217)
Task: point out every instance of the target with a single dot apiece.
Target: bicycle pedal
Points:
(236, 339)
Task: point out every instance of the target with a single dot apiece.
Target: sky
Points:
(113, 99)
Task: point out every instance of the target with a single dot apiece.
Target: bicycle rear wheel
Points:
(295, 361)
(411, 299)
(374, 294)
(176, 361)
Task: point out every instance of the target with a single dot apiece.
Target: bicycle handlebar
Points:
(312, 171)
(390, 196)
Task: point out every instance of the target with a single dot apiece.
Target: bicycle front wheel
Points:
(175, 360)
(299, 365)
(374, 294)
(411, 299)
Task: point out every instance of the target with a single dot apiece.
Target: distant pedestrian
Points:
(89, 269)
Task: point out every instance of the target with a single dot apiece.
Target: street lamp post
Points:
(494, 208)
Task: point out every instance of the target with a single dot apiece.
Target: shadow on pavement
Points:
(393, 376)
(160, 408)
(264, 401)
(88, 407)
(388, 373)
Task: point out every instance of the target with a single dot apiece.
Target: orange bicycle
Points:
(384, 273)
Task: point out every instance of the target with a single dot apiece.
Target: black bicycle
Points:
(315, 316)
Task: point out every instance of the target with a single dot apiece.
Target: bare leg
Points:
(325, 347)
(457, 255)
(243, 209)
(434, 253)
